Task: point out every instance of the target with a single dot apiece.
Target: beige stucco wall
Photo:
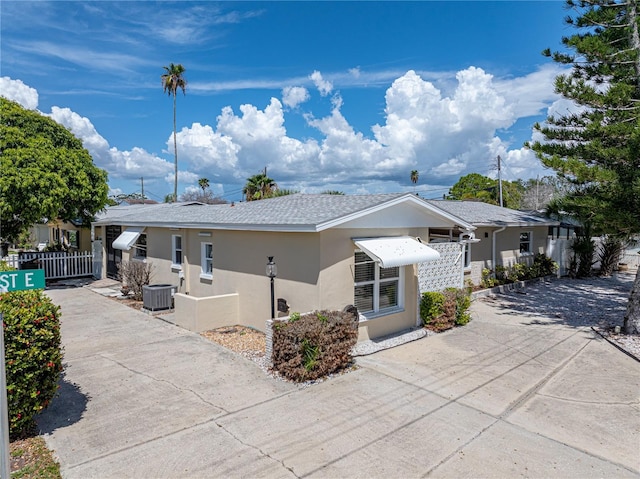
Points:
(202, 314)
(337, 279)
(315, 271)
(507, 248)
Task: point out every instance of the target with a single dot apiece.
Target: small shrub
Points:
(543, 266)
(501, 274)
(518, 272)
(431, 306)
(313, 345)
(463, 303)
(584, 249)
(488, 281)
(134, 275)
(33, 355)
(609, 255)
(444, 310)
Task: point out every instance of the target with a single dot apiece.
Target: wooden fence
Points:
(56, 264)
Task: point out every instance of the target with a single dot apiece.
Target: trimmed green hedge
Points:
(446, 309)
(33, 355)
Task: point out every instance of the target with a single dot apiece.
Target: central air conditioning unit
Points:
(158, 296)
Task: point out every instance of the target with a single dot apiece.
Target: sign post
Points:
(11, 281)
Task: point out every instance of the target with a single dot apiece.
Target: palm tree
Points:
(204, 184)
(171, 81)
(259, 187)
(414, 178)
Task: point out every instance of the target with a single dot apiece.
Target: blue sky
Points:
(347, 96)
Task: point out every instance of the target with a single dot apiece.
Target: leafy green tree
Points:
(477, 187)
(332, 192)
(46, 173)
(259, 187)
(596, 146)
(173, 79)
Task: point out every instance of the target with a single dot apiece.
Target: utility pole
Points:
(537, 190)
(500, 179)
(142, 186)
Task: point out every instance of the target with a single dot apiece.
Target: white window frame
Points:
(528, 242)
(204, 259)
(376, 282)
(176, 260)
(140, 250)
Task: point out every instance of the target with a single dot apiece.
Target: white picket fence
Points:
(56, 264)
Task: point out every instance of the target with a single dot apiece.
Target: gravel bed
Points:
(599, 303)
(251, 344)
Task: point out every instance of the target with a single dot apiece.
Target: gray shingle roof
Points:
(484, 214)
(292, 212)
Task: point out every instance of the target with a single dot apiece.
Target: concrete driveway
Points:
(508, 395)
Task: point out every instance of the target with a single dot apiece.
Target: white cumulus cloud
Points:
(324, 86)
(119, 164)
(292, 96)
(17, 91)
(242, 145)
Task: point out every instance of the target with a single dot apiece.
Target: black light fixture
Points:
(272, 272)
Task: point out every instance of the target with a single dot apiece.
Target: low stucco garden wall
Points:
(209, 312)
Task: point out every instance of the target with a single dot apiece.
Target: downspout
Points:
(463, 246)
(493, 246)
(185, 263)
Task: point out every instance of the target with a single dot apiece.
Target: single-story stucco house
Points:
(73, 235)
(506, 236)
(330, 251)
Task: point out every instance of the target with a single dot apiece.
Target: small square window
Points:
(525, 242)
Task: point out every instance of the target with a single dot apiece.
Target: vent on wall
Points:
(158, 296)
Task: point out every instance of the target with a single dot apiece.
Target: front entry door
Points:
(114, 256)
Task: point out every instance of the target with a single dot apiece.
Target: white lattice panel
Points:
(442, 273)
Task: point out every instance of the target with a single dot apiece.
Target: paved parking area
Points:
(509, 395)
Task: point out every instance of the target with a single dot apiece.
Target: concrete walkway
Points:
(505, 396)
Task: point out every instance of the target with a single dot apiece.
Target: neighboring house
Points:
(71, 235)
(330, 250)
(506, 236)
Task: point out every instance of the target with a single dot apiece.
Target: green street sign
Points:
(21, 280)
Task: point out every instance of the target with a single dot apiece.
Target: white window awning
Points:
(127, 238)
(396, 251)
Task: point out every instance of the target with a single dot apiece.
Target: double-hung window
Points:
(525, 242)
(376, 289)
(206, 260)
(176, 251)
(140, 247)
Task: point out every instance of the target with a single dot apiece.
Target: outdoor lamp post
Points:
(272, 271)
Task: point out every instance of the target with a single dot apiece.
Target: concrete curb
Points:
(613, 343)
(510, 287)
